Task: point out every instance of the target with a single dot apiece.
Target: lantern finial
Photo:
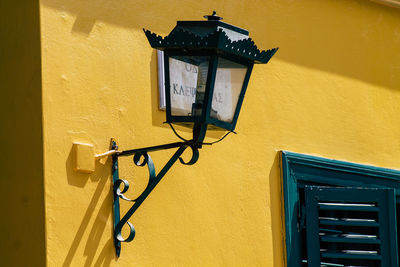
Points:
(213, 16)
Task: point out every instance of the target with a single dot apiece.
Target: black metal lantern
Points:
(207, 68)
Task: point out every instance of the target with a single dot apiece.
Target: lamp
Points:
(207, 69)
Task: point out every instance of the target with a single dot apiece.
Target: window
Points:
(339, 213)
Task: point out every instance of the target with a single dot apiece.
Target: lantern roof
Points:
(211, 34)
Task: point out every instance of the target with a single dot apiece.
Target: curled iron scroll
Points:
(146, 160)
(119, 192)
(195, 156)
(150, 165)
(131, 236)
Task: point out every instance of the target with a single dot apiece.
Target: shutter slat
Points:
(349, 223)
(333, 239)
(348, 208)
(350, 256)
(326, 263)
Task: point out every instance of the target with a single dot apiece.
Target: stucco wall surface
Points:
(331, 90)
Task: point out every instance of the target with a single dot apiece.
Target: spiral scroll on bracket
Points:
(146, 160)
(131, 236)
(120, 192)
(150, 166)
(195, 157)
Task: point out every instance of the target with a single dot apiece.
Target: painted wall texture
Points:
(331, 90)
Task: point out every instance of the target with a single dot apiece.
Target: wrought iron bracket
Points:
(142, 158)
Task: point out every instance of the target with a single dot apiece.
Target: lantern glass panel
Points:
(188, 78)
(228, 85)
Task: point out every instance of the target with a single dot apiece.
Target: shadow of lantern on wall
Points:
(207, 68)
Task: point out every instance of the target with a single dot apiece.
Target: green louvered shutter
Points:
(350, 227)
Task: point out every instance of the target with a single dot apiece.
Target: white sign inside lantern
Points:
(183, 78)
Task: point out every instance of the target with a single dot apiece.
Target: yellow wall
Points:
(331, 90)
(22, 221)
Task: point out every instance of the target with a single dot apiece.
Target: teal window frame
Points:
(299, 170)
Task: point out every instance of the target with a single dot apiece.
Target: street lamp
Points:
(207, 68)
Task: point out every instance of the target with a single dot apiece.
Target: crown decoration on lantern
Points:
(216, 40)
